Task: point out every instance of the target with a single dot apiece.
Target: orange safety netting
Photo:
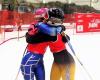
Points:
(13, 18)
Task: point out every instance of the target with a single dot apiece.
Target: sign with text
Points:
(87, 22)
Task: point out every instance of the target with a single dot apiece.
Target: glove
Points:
(32, 31)
(65, 38)
(63, 28)
(59, 30)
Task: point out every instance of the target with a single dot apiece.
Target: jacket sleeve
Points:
(39, 37)
(48, 29)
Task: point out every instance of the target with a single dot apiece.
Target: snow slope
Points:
(86, 46)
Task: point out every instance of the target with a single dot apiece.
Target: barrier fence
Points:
(81, 22)
(13, 17)
(85, 22)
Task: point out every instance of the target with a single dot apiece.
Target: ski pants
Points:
(62, 71)
(63, 67)
(32, 66)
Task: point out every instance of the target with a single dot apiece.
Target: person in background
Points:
(20, 25)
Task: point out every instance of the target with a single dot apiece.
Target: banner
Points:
(87, 22)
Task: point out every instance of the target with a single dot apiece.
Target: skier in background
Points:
(20, 25)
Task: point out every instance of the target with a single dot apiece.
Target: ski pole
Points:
(10, 39)
(20, 65)
(79, 61)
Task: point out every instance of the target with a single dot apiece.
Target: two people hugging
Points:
(47, 31)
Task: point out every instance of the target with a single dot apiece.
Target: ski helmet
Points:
(42, 12)
(56, 13)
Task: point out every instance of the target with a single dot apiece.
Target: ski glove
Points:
(65, 38)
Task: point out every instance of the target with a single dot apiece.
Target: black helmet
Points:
(56, 13)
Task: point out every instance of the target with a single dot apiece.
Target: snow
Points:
(86, 46)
